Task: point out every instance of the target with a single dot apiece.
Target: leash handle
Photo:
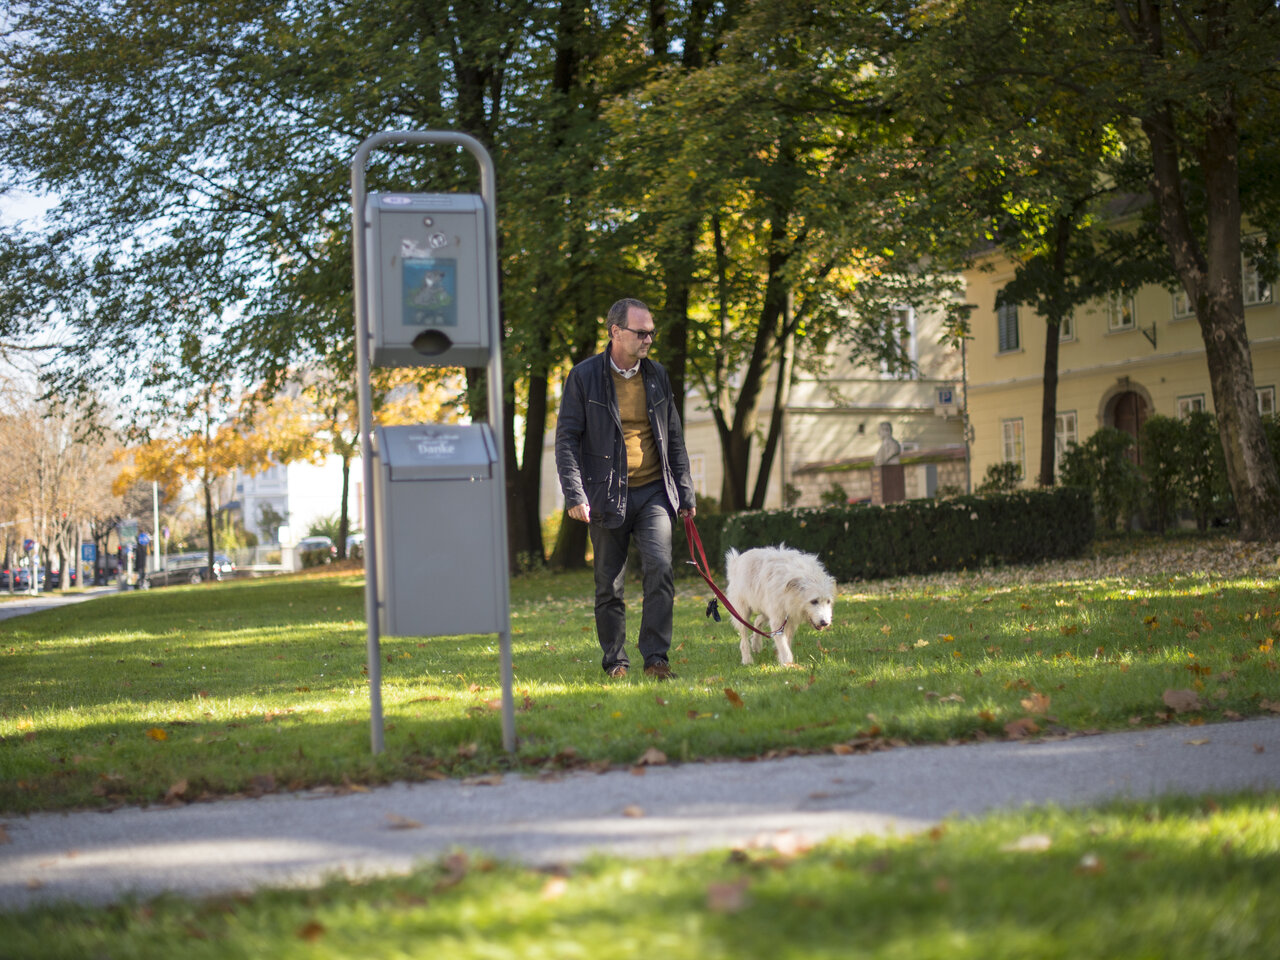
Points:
(703, 568)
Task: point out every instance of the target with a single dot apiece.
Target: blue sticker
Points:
(430, 292)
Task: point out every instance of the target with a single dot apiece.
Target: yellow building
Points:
(1120, 361)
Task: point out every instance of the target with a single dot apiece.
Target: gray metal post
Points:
(488, 191)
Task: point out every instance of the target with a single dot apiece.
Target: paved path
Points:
(46, 600)
(298, 839)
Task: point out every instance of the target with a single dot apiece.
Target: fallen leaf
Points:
(1029, 843)
(732, 696)
(468, 749)
(1036, 703)
(653, 757)
(176, 791)
(156, 733)
(1181, 701)
(1018, 729)
(921, 643)
(1091, 864)
(1198, 743)
(1271, 705)
(397, 822)
(727, 897)
(841, 749)
(456, 866)
(487, 780)
(554, 888)
(311, 931)
(633, 810)
(790, 844)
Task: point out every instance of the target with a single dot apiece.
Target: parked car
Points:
(54, 579)
(355, 546)
(190, 568)
(316, 550)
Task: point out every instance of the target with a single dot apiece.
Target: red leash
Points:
(703, 568)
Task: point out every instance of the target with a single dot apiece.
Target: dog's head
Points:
(817, 594)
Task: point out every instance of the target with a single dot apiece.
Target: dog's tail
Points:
(730, 556)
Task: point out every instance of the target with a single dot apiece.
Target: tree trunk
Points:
(344, 516)
(208, 521)
(1212, 280)
(1049, 404)
(781, 394)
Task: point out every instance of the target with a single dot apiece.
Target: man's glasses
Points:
(641, 334)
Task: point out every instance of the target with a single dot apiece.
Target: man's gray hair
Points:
(617, 316)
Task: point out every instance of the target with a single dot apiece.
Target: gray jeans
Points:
(648, 522)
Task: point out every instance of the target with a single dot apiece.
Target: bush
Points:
(1101, 465)
(923, 536)
(1164, 441)
(710, 522)
(1204, 478)
(1001, 478)
(834, 496)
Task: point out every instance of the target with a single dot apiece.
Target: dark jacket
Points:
(591, 457)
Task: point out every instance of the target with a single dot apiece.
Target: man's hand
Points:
(687, 512)
(580, 511)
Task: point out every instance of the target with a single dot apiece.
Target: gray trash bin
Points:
(437, 521)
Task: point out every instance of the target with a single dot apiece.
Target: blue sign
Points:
(89, 552)
(28, 545)
(144, 538)
(946, 396)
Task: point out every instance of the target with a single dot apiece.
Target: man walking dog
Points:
(624, 471)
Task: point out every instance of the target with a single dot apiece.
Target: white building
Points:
(294, 496)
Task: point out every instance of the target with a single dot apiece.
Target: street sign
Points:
(28, 545)
(89, 552)
(128, 530)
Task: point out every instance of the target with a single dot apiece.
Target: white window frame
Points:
(1065, 433)
(1067, 328)
(907, 343)
(1013, 444)
(1192, 403)
(698, 473)
(1256, 290)
(1007, 318)
(1182, 306)
(1266, 400)
(1118, 320)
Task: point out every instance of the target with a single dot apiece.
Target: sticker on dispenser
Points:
(430, 292)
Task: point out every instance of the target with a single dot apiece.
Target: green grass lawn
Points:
(260, 685)
(1194, 879)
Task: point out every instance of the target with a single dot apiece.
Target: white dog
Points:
(782, 587)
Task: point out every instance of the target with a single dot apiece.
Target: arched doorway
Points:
(1128, 411)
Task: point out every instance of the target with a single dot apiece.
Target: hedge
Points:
(919, 536)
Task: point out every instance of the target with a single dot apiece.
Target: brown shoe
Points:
(659, 670)
(617, 671)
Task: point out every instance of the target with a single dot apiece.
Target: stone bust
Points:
(890, 449)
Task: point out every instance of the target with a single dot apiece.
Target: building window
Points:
(1067, 328)
(1011, 433)
(1007, 326)
(1190, 405)
(1182, 306)
(1256, 289)
(1120, 312)
(1266, 401)
(902, 336)
(1064, 435)
(698, 472)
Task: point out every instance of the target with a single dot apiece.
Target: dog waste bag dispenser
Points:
(439, 532)
(429, 289)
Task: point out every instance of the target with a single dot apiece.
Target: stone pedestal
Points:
(888, 484)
